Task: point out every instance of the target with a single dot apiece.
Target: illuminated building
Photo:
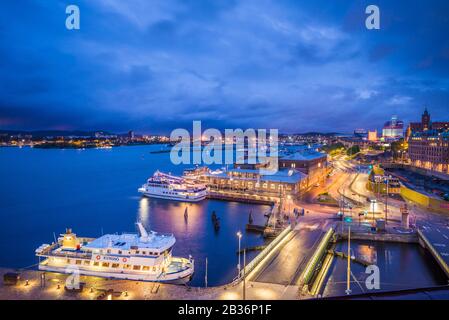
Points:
(430, 150)
(372, 136)
(393, 129)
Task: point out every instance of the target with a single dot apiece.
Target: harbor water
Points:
(401, 266)
(94, 191)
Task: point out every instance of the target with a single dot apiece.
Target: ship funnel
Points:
(142, 231)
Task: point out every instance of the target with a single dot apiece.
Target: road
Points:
(438, 235)
(287, 264)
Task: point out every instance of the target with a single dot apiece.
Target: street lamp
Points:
(373, 202)
(348, 268)
(239, 235)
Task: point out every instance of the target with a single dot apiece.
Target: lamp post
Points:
(348, 276)
(239, 235)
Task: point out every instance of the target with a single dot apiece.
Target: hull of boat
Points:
(173, 197)
(181, 277)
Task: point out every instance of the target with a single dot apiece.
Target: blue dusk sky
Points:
(153, 66)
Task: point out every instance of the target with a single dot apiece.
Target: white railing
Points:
(250, 266)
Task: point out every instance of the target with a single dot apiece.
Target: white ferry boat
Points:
(143, 257)
(166, 186)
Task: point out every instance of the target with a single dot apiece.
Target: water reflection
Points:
(402, 266)
(197, 236)
(144, 210)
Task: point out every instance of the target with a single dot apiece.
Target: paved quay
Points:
(98, 288)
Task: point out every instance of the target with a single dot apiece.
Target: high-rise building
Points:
(393, 129)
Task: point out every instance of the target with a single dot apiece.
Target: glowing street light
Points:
(239, 235)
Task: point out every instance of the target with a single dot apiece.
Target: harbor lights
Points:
(239, 235)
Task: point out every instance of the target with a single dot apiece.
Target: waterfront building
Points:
(253, 181)
(298, 170)
(308, 161)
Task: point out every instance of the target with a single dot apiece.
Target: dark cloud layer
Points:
(156, 65)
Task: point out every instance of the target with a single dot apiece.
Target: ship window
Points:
(154, 268)
(115, 265)
(146, 268)
(137, 252)
(105, 264)
(96, 264)
(120, 252)
(136, 267)
(68, 260)
(78, 261)
(127, 266)
(87, 262)
(144, 252)
(109, 250)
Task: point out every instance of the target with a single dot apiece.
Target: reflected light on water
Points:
(368, 253)
(144, 210)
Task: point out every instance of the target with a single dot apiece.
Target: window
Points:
(144, 252)
(136, 267)
(96, 264)
(127, 266)
(68, 260)
(146, 268)
(109, 251)
(120, 252)
(115, 265)
(86, 262)
(105, 264)
(78, 261)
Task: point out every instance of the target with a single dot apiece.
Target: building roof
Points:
(127, 240)
(305, 155)
(286, 176)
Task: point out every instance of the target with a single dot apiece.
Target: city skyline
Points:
(156, 66)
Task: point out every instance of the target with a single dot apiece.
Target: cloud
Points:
(155, 65)
(366, 94)
(400, 100)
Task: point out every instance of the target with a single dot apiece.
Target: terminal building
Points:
(298, 171)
